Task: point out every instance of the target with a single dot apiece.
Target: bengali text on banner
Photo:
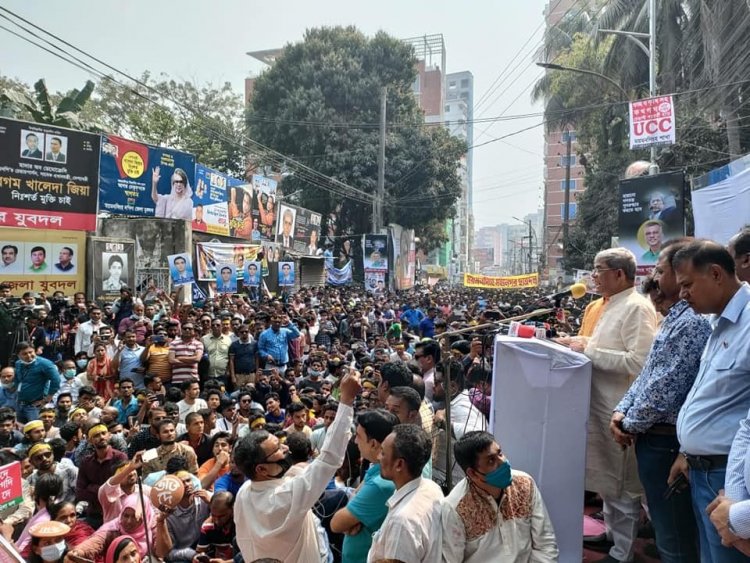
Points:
(502, 282)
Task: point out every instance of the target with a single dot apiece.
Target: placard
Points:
(112, 266)
(211, 211)
(652, 122)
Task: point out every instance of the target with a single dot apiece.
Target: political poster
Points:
(252, 274)
(264, 205)
(211, 212)
(286, 273)
(651, 212)
(501, 282)
(181, 268)
(48, 176)
(112, 266)
(376, 253)
(652, 122)
(299, 230)
(227, 280)
(404, 256)
(11, 493)
(375, 282)
(211, 255)
(42, 261)
(143, 180)
(339, 276)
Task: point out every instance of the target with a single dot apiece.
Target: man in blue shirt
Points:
(412, 315)
(231, 481)
(8, 389)
(126, 405)
(273, 343)
(427, 326)
(720, 396)
(37, 380)
(649, 411)
(365, 512)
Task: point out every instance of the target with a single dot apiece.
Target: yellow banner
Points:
(42, 261)
(504, 282)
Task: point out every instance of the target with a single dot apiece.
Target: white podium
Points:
(540, 407)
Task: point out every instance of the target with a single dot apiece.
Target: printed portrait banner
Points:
(375, 281)
(11, 493)
(299, 229)
(404, 256)
(42, 261)
(264, 201)
(112, 266)
(501, 282)
(210, 255)
(651, 212)
(226, 282)
(286, 273)
(48, 176)
(210, 207)
(375, 253)
(181, 268)
(143, 180)
(252, 274)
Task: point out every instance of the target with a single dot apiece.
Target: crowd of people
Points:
(313, 427)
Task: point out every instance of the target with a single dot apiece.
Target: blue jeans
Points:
(673, 519)
(27, 412)
(704, 486)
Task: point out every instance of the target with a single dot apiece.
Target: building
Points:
(513, 252)
(555, 164)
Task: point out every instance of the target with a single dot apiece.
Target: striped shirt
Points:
(181, 349)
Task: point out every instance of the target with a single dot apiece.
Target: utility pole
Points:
(531, 250)
(377, 203)
(566, 208)
(653, 168)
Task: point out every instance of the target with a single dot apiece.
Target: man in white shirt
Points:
(412, 531)
(86, 330)
(272, 514)
(190, 402)
(495, 513)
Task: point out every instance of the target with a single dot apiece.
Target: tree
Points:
(43, 108)
(320, 104)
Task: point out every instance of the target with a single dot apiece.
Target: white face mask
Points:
(53, 552)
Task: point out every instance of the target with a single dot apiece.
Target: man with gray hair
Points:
(617, 348)
(739, 248)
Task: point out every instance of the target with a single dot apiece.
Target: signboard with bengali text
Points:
(501, 282)
(652, 122)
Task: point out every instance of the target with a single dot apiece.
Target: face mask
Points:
(315, 373)
(28, 363)
(500, 477)
(69, 373)
(82, 364)
(53, 552)
(285, 465)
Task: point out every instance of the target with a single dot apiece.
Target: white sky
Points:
(206, 41)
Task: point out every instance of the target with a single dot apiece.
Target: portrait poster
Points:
(112, 267)
(42, 261)
(181, 268)
(210, 255)
(48, 177)
(299, 230)
(264, 197)
(404, 256)
(286, 273)
(252, 274)
(211, 210)
(375, 282)
(226, 282)
(144, 180)
(651, 212)
(376, 253)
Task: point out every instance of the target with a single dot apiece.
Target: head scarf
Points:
(33, 425)
(76, 412)
(39, 448)
(139, 534)
(96, 429)
(110, 556)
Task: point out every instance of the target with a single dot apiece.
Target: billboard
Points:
(112, 266)
(211, 214)
(42, 261)
(299, 230)
(501, 282)
(262, 199)
(211, 256)
(140, 179)
(48, 175)
(404, 256)
(651, 212)
(375, 256)
(652, 122)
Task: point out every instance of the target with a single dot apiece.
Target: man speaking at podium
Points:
(617, 348)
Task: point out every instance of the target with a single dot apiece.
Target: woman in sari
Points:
(65, 513)
(132, 522)
(99, 373)
(123, 550)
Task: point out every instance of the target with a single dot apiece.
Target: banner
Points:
(48, 176)
(404, 255)
(252, 273)
(211, 255)
(339, 276)
(721, 207)
(651, 212)
(211, 214)
(227, 280)
(139, 179)
(42, 261)
(263, 198)
(112, 266)
(652, 122)
(181, 268)
(286, 273)
(299, 229)
(375, 282)
(375, 253)
(11, 493)
(503, 282)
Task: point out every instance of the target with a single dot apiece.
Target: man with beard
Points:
(121, 485)
(8, 391)
(9, 436)
(272, 514)
(43, 461)
(64, 404)
(94, 470)
(169, 448)
(148, 437)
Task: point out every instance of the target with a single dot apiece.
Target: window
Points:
(564, 160)
(566, 134)
(452, 84)
(571, 185)
(464, 83)
(464, 95)
(447, 108)
(571, 211)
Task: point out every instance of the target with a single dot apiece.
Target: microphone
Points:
(577, 290)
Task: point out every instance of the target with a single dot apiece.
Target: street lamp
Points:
(555, 66)
(531, 237)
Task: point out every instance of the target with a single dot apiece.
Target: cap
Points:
(51, 529)
(33, 425)
(39, 448)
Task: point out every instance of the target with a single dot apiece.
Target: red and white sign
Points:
(652, 122)
(11, 492)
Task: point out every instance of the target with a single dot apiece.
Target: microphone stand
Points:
(149, 546)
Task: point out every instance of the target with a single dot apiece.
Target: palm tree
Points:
(41, 109)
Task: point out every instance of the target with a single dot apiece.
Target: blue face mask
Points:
(500, 477)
